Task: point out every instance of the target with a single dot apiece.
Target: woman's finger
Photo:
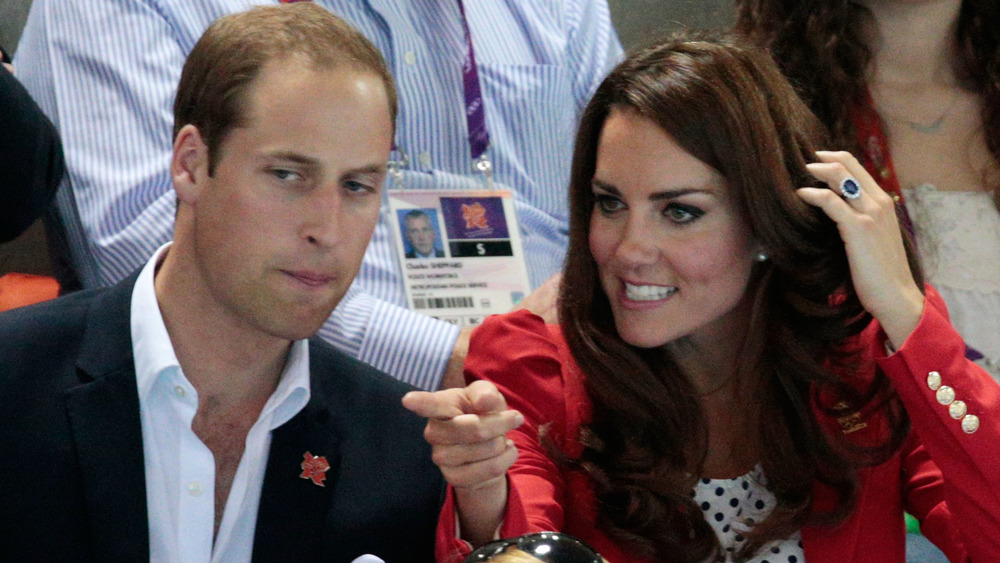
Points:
(457, 455)
(480, 474)
(471, 428)
(856, 170)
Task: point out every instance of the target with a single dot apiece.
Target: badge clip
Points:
(396, 167)
(485, 167)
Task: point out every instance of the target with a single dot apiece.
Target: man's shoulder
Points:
(64, 315)
(58, 330)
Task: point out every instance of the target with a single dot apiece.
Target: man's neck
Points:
(913, 44)
(223, 358)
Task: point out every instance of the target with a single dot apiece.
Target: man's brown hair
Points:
(218, 76)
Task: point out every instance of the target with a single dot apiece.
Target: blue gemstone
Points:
(850, 188)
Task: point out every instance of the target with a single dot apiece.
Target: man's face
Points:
(279, 231)
(420, 234)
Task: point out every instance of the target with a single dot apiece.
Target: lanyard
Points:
(475, 112)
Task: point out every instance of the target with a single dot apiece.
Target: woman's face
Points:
(673, 255)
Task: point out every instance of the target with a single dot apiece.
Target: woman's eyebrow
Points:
(657, 196)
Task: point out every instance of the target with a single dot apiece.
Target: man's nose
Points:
(323, 219)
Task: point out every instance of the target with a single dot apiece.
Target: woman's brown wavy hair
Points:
(819, 47)
(728, 106)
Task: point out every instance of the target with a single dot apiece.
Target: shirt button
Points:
(194, 489)
(425, 159)
(179, 391)
(410, 58)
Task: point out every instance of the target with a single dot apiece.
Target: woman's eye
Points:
(682, 213)
(607, 203)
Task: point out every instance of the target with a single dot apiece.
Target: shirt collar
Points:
(151, 347)
(292, 393)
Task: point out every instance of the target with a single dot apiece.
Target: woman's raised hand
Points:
(867, 221)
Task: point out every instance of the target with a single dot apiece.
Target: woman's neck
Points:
(913, 44)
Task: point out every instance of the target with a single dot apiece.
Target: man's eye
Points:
(358, 187)
(607, 204)
(284, 174)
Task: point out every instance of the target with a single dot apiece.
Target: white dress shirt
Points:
(180, 469)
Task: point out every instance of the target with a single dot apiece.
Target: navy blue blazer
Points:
(72, 476)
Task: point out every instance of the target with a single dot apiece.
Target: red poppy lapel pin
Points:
(314, 467)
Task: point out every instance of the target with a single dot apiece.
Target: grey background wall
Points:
(637, 21)
(12, 16)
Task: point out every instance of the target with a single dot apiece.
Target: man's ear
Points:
(189, 166)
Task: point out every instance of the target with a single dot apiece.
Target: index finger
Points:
(439, 405)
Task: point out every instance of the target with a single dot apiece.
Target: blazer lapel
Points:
(104, 417)
(292, 516)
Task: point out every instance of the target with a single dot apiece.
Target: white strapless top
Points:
(958, 239)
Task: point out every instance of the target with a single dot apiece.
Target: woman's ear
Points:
(189, 165)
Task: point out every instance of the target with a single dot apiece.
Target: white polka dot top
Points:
(731, 506)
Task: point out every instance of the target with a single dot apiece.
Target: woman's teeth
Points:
(648, 292)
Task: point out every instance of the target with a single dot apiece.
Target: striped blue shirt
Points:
(106, 71)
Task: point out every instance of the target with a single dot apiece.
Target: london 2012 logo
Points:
(475, 216)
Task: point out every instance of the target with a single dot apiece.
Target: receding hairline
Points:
(215, 74)
(347, 69)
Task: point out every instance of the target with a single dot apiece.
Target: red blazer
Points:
(947, 478)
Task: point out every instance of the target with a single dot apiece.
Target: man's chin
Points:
(304, 324)
(298, 330)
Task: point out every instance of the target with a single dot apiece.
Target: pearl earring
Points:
(760, 257)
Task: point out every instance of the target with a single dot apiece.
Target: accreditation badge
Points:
(460, 252)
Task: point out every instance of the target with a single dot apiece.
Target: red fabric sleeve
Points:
(515, 352)
(951, 477)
